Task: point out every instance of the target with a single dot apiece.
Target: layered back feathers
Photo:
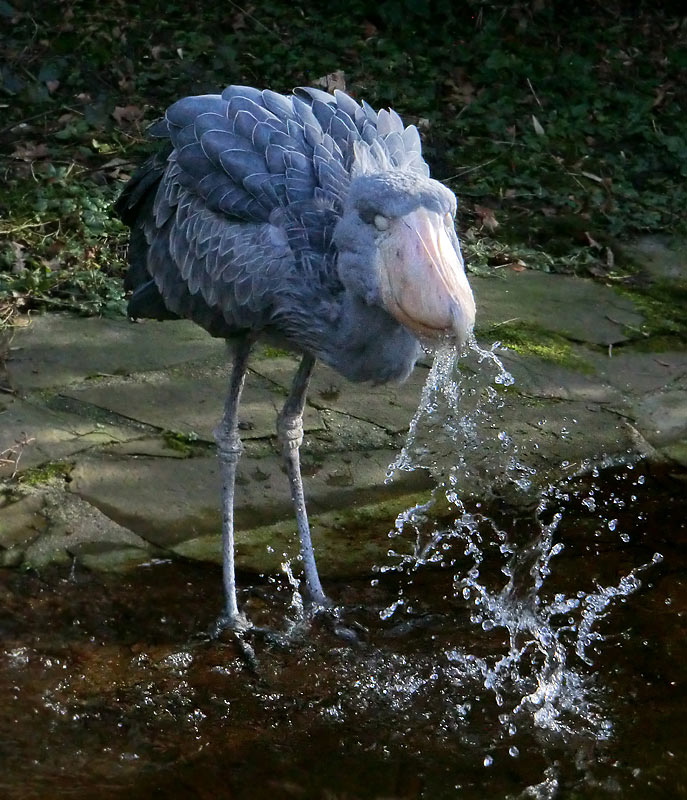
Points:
(247, 152)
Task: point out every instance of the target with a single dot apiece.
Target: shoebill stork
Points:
(308, 220)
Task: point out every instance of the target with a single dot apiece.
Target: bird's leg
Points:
(290, 432)
(229, 450)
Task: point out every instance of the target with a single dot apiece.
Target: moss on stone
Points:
(180, 441)
(528, 339)
(663, 305)
(46, 473)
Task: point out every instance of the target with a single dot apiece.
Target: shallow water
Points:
(521, 639)
(111, 689)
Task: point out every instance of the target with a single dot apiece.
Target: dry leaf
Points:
(487, 217)
(334, 80)
(592, 242)
(538, 129)
(126, 116)
(52, 86)
(30, 151)
(592, 177)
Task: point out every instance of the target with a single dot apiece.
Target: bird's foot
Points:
(237, 623)
(330, 616)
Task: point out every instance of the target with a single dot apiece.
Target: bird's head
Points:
(397, 247)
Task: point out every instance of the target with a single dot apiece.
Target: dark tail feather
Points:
(147, 302)
(143, 183)
(134, 206)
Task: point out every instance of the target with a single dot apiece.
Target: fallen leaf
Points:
(30, 151)
(592, 176)
(487, 217)
(125, 116)
(334, 80)
(592, 242)
(538, 129)
(52, 86)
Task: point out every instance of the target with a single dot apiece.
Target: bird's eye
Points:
(381, 223)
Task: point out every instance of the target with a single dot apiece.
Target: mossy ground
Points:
(529, 339)
(561, 132)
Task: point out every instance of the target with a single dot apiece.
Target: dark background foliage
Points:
(561, 127)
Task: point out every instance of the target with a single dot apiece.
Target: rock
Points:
(349, 541)
(62, 349)
(661, 257)
(76, 529)
(189, 400)
(21, 522)
(167, 502)
(578, 309)
(389, 406)
(49, 435)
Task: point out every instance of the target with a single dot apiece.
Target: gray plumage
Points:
(240, 231)
(287, 217)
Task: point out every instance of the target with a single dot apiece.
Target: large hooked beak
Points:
(422, 278)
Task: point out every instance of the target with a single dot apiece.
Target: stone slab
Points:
(661, 416)
(578, 309)
(167, 501)
(391, 407)
(538, 378)
(77, 529)
(636, 372)
(189, 399)
(661, 257)
(55, 350)
(51, 435)
(347, 542)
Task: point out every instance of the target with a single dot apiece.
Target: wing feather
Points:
(252, 191)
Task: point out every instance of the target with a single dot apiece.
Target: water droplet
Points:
(488, 761)
(513, 752)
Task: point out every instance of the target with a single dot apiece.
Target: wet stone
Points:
(76, 529)
(21, 522)
(169, 502)
(578, 309)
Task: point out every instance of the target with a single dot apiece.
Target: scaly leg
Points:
(290, 432)
(229, 450)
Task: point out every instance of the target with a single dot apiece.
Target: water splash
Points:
(453, 409)
(539, 672)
